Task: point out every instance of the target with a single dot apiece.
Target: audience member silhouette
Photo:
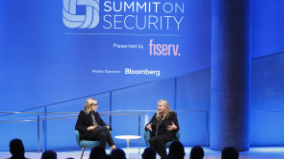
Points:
(106, 157)
(230, 153)
(48, 154)
(97, 152)
(149, 153)
(118, 153)
(196, 152)
(17, 149)
(169, 157)
(176, 150)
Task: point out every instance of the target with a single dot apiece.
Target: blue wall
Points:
(26, 131)
(40, 66)
(266, 34)
(193, 100)
(267, 100)
(42, 55)
(188, 95)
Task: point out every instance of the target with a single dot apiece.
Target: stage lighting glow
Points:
(267, 149)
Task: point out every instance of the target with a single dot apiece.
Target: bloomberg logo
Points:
(90, 20)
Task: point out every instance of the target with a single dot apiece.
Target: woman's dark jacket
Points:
(85, 120)
(168, 121)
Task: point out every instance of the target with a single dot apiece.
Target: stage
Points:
(254, 153)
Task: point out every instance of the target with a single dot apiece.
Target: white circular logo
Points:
(90, 20)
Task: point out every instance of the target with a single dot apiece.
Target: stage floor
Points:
(254, 153)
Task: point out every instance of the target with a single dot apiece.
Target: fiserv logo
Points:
(90, 20)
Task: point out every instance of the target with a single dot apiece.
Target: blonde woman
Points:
(163, 126)
(92, 127)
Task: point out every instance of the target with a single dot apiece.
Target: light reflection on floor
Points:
(254, 153)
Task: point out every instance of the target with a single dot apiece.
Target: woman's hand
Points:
(107, 127)
(91, 128)
(149, 126)
(172, 127)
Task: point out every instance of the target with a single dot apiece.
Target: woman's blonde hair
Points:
(166, 111)
(88, 103)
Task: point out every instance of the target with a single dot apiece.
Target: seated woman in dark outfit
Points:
(92, 127)
(163, 126)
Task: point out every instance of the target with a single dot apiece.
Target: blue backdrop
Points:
(41, 54)
(45, 58)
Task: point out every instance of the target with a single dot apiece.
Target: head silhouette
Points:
(149, 153)
(169, 157)
(230, 153)
(97, 152)
(118, 154)
(106, 157)
(17, 147)
(48, 154)
(177, 150)
(196, 152)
